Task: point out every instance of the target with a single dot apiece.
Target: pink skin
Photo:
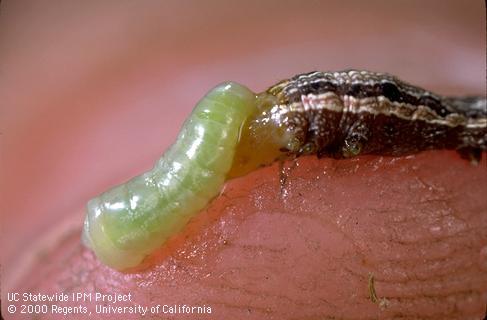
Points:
(97, 93)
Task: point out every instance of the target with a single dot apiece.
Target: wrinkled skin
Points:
(309, 254)
(91, 105)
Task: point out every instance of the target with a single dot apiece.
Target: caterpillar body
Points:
(233, 131)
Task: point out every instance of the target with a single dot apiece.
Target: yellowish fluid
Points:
(261, 140)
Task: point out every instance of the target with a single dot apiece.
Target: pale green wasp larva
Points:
(233, 131)
(126, 223)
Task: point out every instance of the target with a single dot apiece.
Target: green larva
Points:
(126, 223)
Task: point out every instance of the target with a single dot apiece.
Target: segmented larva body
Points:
(342, 114)
(233, 131)
(128, 222)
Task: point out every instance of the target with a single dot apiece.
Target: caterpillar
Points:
(233, 131)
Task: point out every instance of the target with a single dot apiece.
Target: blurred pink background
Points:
(91, 93)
